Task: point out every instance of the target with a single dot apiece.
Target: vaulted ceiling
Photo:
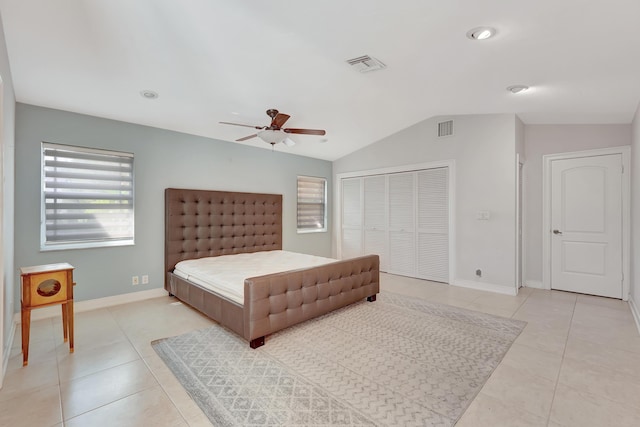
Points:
(231, 60)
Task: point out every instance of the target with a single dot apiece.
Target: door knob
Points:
(557, 232)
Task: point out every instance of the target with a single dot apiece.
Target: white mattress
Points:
(225, 274)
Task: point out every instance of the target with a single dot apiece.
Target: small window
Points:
(87, 197)
(312, 204)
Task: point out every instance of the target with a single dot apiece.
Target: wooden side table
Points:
(42, 286)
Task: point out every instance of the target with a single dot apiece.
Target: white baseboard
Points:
(536, 284)
(7, 351)
(483, 286)
(93, 304)
(636, 312)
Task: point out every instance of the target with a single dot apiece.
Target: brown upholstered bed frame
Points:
(202, 223)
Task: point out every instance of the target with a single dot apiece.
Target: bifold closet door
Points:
(351, 217)
(402, 253)
(433, 225)
(375, 218)
(403, 217)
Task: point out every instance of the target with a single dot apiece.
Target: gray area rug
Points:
(398, 361)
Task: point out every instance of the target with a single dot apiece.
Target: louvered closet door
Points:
(433, 225)
(375, 217)
(402, 253)
(351, 217)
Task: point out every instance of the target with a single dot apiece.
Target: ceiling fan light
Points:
(272, 136)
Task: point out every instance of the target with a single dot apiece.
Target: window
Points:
(87, 197)
(312, 204)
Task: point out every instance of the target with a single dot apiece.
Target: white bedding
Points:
(225, 274)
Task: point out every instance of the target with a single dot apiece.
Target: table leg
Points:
(64, 322)
(70, 324)
(26, 326)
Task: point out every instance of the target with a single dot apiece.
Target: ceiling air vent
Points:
(365, 63)
(445, 128)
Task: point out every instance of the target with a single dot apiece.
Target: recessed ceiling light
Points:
(481, 33)
(149, 94)
(517, 88)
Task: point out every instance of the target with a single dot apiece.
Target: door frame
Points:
(520, 208)
(450, 164)
(625, 152)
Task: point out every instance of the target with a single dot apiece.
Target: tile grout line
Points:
(97, 372)
(520, 306)
(142, 358)
(564, 350)
(514, 343)
(55, 350)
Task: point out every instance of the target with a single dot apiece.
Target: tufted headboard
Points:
(203, 223)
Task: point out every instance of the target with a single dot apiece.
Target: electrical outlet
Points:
(145, 279)
(134, 280)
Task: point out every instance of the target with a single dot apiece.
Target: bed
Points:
(204, 223)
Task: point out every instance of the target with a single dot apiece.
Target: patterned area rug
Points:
(396, 361)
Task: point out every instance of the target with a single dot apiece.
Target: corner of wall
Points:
(634, 297)
(6, 351)
(484, 286)
(635, 312)
(535, 284)
(7, 191)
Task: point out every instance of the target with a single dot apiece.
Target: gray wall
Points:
(162, 159)
(483, 147)
(553, 139)
(7, 150)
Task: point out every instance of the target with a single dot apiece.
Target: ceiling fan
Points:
(275, 133)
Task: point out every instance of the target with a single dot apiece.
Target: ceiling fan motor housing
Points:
(274, 133)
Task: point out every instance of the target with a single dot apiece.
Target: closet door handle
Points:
(557, 232)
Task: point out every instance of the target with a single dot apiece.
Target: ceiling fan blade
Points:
(289, 142)
(279, 120)
(238, 124)
(305, 131)
(247, 137)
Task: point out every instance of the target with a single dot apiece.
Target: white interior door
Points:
(586, 225)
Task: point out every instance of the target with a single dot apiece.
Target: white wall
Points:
(483, 147)
(162, 159)
(553, 139)
(635, 216)
(7, 149)
(520, 137)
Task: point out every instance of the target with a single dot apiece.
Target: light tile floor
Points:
(577, 363)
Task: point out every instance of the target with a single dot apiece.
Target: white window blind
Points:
(312, 204)
(87, 197)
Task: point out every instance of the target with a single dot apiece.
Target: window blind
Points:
(312, 199)
(88, 196)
